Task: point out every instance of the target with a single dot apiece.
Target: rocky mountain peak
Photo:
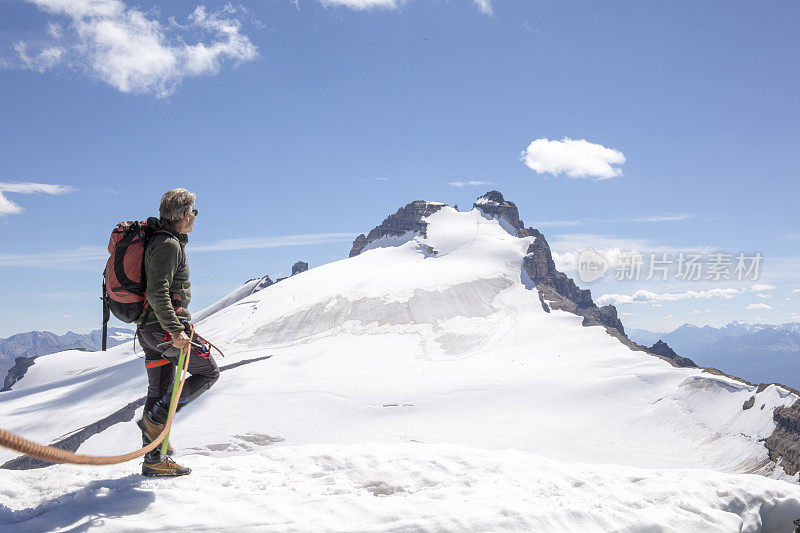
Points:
(663, 349)
(556, 289)
(492, 204)
(299, 267)
(407, 219)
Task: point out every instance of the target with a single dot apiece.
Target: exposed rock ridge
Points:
(663, 349)
(784, 443)
(556, 289)
(17, 372)
(407, 218)
(299, 267)
(263, 283)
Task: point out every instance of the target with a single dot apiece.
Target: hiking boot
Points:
(151, 430)
(166, 467)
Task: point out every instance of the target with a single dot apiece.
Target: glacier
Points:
(420, 385)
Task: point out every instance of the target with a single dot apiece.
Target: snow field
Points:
(396, 487)
(410, 391)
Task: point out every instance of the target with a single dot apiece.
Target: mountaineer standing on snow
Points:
(168, 294)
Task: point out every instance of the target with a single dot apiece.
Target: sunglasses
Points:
(195, 212)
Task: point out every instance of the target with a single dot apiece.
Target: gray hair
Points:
(174, 205)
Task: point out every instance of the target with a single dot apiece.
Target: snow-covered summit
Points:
(408, 383)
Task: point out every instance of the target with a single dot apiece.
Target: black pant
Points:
(203, 370)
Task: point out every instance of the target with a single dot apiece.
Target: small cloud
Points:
(556, 223)
(661, 218)
(762, 287)
(795, 291)
(66, 316)
(7, 207)
(484, 6)
(754, 307)
(791, 236)
(45, 59)
(362, 5)
(369, 180)
(471, 183)
(573, 158)
(763, 296)
(649, 296)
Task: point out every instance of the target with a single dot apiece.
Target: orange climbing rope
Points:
(57, 455)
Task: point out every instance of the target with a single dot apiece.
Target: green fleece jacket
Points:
(168, 289)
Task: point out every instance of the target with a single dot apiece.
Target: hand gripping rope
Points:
(56, 455)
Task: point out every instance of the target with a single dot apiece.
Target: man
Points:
(168, 294)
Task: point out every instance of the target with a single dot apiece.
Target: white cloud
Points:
(484, 6)
(791, 236)
(661, 218)
(66, 259)
(134, 53)
(45, 59)
(763, 296)
(566, 248)
(470, 183)
(272, 242)
(641, 218)
(573, 158)
(7, 207)
(362, 5)
(795, 291)
(556, 223)
(753, 307)
(65, 316)
(762, 287)
(649, 296)
(31, 188)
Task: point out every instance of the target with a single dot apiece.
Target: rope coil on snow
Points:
(57, 455)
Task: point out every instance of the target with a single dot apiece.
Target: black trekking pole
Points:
(106, 316)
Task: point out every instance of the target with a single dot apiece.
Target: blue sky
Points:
(299, 124)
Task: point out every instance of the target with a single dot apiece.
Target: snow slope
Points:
(410, 390)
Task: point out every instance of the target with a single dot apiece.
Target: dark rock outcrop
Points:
(784, 443)
(17, 372)
(749, 403)
(299, 267)
(407, 218)
(492, 204)
(662, 348)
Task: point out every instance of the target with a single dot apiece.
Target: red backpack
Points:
(124, 281)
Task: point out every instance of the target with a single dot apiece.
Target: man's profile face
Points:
(188, 218)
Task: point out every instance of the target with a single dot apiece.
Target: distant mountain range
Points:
(760, 353)
(32, 344)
